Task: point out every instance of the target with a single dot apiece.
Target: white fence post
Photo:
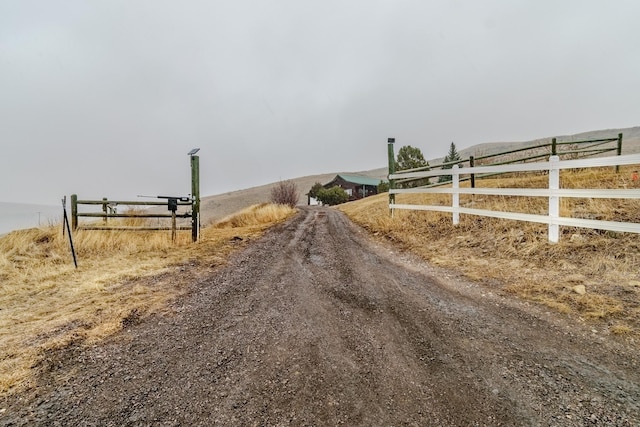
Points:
(554, 201)
(456, 194)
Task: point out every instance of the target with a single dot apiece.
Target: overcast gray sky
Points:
(105, 98)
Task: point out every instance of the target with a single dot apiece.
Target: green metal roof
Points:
(362, 180)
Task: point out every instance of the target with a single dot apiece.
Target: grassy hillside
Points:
(630, 142)
(590, 274)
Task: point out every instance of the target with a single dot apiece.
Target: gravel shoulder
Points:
(316, 324)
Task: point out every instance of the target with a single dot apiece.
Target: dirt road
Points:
(315, 324)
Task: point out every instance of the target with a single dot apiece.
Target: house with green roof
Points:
(356, 186)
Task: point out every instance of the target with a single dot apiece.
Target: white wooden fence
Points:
(553, 193)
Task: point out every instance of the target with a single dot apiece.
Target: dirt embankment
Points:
(316, 325)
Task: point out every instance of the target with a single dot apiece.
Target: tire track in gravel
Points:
(315, 324)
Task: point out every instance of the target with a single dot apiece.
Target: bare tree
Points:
(285, 193)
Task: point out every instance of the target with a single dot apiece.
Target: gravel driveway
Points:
(316, 324)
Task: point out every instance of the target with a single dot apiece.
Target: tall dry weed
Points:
(264, 213)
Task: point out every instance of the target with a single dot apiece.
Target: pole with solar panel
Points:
(195, 194)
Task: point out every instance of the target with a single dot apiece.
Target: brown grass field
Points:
(516, 257)
(45, 303)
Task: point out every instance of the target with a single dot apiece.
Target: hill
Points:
(215, 207)
(218, 206)
(630, 141)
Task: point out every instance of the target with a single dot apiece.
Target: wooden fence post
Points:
(74, 212)
(554, 148)
(173, 226)
(472, 163)
(554, 201)
(392, 169)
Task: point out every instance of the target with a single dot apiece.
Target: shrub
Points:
(285, 193)
(315, 190)
(383, 187)
(333, 196)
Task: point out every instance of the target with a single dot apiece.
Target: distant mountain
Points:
(15, 216)
(630, 141)
(216, 207)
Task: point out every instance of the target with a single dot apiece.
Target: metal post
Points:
(619, 144)
(66, 222)
(619, 150)
(195, 194)
(392, 170)
(104, 208)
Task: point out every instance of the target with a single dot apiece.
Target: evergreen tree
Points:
(453, 153)
(451, 156)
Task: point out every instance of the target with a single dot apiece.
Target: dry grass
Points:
(516, 257)
(265, 213)
(45, 303)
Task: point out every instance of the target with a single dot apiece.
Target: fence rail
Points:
(109, 211)
(590, 148)
(553, 193)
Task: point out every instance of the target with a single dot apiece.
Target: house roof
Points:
(361, 180)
